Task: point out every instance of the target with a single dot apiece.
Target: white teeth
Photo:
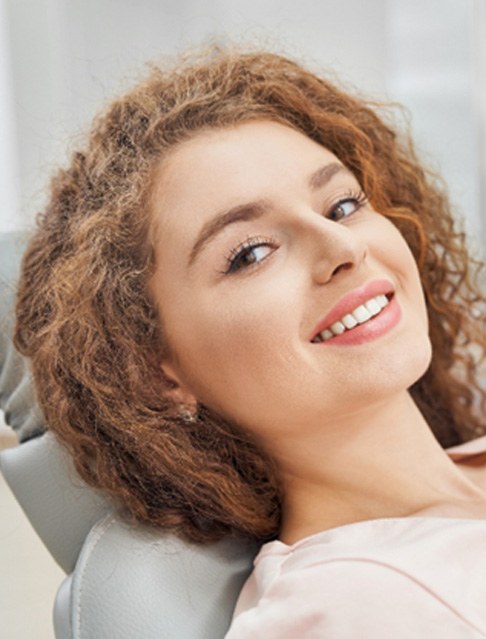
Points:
(373, 306)
(350, 321)
(362, 314)
(382, 300)
(337, 328)
(359, 315)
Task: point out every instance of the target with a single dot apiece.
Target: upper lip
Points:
(352, 300)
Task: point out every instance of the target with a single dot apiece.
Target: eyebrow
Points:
(325, 174)
(241, 213)
(256, 209)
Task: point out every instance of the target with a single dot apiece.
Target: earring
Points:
(187, 415)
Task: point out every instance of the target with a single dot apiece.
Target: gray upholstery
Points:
(124, 581)
(16, 393)
(174, 590)
(63, 515)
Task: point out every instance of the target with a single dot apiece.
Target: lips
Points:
(352, 309)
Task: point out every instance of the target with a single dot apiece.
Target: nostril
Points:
(342, 267)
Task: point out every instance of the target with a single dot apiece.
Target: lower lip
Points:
(374, 328)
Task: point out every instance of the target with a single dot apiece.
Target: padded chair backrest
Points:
(124, 580)
(16, 392)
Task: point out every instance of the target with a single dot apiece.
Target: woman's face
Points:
(264, 240)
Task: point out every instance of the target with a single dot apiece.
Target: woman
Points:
(245, 308)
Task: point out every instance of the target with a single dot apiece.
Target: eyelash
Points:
(359, 198)
(244, 248)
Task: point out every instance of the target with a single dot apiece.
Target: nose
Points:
(336, 248)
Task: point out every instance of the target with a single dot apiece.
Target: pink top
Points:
(403, 577)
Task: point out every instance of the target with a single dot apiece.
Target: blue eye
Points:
(347, 206)
(248, 254)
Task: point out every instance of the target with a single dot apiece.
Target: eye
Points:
(347, 206)
(249, 253)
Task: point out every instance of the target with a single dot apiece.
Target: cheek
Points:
(410, 277)
(396, 254)
(237, 349)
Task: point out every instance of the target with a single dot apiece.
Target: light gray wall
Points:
(9, 160)
(434, 61)
(68, 58)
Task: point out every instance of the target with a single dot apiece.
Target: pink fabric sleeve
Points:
(343, 599)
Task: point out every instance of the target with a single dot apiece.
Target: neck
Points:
(383, 463)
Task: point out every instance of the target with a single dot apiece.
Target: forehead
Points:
(220, 168)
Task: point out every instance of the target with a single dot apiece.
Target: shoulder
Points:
(343, 598)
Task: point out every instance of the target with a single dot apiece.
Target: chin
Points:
(403, 367)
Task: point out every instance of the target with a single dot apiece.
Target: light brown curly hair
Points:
(86, 319)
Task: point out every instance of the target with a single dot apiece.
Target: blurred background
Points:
(61, 60)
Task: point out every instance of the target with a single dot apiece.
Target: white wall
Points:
(68, 58)
(434, 59)
(9, 167)
(479, 112)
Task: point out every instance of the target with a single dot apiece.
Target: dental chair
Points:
(123, 581)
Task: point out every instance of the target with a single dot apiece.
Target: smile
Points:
(364, 314)
(360, 315)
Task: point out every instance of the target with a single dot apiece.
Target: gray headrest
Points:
(16, 391)
(59, 505)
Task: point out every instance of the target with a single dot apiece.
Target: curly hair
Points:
(86, 319)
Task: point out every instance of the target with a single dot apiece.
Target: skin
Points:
(348, 440)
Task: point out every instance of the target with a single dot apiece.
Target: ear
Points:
(176, 388)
